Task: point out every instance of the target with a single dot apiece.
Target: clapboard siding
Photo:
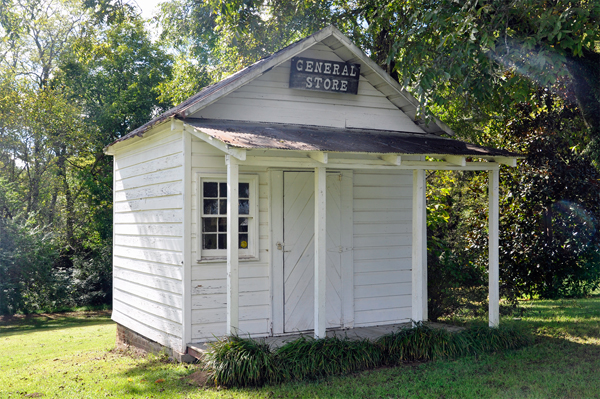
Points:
(149, 179)
(268, 99)
(121, 316)
(205, 331)
(167, 298)
(147, 241)
(143, 266)
(382, 246)
(156, 308)
(209, 280)
(168, 243)
(149, 280)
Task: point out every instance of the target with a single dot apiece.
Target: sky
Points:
(148, 7)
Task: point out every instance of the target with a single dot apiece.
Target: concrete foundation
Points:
(128, 339)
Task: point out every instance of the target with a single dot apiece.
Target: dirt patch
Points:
(198, 378)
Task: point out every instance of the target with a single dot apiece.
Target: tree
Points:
(74, 79)
(486, 53)
(551, 208)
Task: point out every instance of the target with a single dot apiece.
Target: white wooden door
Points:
(298, 259)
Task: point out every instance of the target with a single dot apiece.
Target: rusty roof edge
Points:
(215, 125)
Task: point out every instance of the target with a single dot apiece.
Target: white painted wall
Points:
(268, 99)
(209, 279)
(382, 247)
(148, 245)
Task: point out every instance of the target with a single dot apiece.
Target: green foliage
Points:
(419, 343)
(457, 279)
(308, 358)
(478, 339)
(27, 280)
(234, 361)
(549, 226)
(74, 76)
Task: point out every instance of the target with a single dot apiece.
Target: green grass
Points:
(71, 356)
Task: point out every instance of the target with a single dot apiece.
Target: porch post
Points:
(320, 250)
(419, 248)
(232, 245)
(494, 301)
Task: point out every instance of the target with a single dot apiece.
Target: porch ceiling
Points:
(248, 136)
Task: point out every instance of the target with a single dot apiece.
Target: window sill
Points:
(223, 259)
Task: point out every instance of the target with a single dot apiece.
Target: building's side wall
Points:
(148, 229)
(269, 99)
(382, 247)
(209, 279)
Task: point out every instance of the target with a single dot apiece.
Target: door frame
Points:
(276, 235)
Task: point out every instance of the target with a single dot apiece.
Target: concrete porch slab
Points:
(371, 333)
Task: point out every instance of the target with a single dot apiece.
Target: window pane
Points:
(211, 207)
(210, 190)
(223, 189)
(223, 225)
(244, 190)
(222, 241)
(209, 241)
(244, 208)
(243, 225)
(223, 207)
(243, 241)
(209, 224)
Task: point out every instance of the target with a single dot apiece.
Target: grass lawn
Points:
(71, 356)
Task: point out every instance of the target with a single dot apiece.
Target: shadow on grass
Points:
(17, 325)
(153, 375)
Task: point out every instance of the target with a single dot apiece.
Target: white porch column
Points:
(494, 301)
(320, 250)
(419, 248)
(232, 245)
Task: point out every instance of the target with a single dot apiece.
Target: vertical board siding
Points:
(209, 280)
(382, 247)
(147, 246)
(269, 99)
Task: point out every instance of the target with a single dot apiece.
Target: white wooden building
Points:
(278, 201)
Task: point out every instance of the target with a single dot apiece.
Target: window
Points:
(213, 223)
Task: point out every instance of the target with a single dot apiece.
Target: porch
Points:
(371, 333)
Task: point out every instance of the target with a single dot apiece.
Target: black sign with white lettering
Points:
(331, 76)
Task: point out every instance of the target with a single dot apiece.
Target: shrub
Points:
(92, 277)
(483, 339)
(313, 358)
(234, 361)
(419, 343)
(27, 280)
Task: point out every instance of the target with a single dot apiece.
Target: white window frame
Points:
(220, 255)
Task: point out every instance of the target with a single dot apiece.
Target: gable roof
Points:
(329, 36)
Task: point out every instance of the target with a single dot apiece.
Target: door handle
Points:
(281, 246)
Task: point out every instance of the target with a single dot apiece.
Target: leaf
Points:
(159, 381)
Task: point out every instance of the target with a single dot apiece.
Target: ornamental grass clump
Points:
(483, 339)
(308, 358)
(420, 343)
(235, 361)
